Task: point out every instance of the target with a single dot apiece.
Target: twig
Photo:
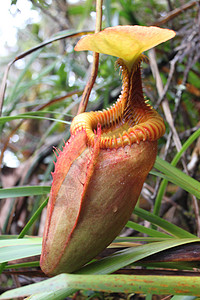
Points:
(94, 71)
(165, 104)
(59, 99)
(49, 14)
(172, 14)
(89, 85)
(183, 83)
(169, 79)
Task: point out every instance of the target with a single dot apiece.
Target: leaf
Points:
(178, 177)
(30, 264)
(22, 191)
(125, 257)
(184, 285)
(20, 242)
(10, 253)
(7, 236)
(181, 285)
(151, 232)
(133, 239)
(175, 160)
(103, 266)
(33, 219)
(167, 226)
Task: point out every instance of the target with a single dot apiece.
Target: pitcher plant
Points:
(100, 172)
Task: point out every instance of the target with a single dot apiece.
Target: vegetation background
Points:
(42, 95)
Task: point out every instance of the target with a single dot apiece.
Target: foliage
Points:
(42, 96)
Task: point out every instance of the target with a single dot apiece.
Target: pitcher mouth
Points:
(130, 120)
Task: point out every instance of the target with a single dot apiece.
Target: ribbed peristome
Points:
(130, 120)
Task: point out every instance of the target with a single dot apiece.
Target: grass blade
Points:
(17, 252)
(33, 219)
(21, 242)
(168, 227)
(177, 157)
(149, 231)
(23, 191)
(178, 177)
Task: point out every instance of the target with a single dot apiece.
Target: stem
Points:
(93, 75)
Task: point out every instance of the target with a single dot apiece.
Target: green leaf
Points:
(31, 264)
(151, 232)
(184, 285)
(165, 225)
(178, 177)
(33, 219)
(20, 242)
(7, 236)
(10, 253)
(61, 288)
(133, 239)
(22, 191)
(126, 257)
(177, 157)
(174, 285)
(47, 296)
